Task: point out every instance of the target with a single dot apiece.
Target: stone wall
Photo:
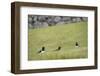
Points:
(38, 21)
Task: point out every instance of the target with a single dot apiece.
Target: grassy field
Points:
(64, 35)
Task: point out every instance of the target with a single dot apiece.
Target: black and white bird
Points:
(42, 50)
(76, 44)
(58, 49)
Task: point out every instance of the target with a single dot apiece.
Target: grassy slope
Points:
(62, 35)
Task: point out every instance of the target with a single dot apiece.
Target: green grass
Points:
(64, 35)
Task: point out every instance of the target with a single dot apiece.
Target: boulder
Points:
(84, 18)
(57, 19)
(45, 24)
(78, 19)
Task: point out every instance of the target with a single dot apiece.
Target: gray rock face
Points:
(38, 21)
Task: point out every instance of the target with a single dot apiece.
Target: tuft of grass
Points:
(64, 35)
